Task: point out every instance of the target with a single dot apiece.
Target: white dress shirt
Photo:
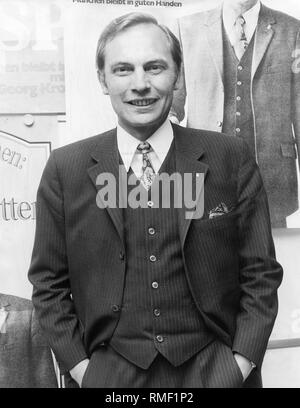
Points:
(251, 19)
(160, 142)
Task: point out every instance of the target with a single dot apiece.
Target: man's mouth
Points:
(142, 102)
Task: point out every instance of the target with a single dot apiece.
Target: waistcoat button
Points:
(156, 312)
(151, 231)
(115, 308)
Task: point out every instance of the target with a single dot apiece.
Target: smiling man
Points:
(139, 71)
(139, 75)
(142, 296)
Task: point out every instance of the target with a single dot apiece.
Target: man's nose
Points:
(140, 81)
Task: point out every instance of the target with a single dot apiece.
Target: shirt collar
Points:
(160, 142)
(250, 16)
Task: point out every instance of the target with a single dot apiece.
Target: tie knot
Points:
(241, 35)
(144, 147)
(240, 20)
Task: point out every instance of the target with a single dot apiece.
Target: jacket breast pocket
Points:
(219, 222)
(277, 68)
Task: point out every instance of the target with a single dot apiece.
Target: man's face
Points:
(140, 76)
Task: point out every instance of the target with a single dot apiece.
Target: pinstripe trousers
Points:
(212, 367)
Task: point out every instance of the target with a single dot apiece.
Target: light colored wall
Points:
(281, 368)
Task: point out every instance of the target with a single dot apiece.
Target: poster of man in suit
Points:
(242, 77)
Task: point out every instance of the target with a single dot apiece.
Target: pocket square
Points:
(221, 209)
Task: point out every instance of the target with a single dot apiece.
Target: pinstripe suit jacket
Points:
(229, 260)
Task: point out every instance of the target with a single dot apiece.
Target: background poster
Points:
(50, 96)
(32, 99)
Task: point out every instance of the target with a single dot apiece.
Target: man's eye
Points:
(122, 70)
(155, 69)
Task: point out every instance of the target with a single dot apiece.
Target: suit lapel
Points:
(214, 32)
(106, 156)
(263, 37)
(214, 35)
(188, 153)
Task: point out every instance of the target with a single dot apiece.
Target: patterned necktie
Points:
(147, 168)
(241, 43)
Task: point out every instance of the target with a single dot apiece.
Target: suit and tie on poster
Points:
(251, 91)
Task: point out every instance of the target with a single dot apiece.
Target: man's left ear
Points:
(177, 82)
(101, 78)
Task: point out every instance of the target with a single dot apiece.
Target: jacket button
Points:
(115, 308)
(156, 312)
(121, 256)
(153, 258)
(151, 231)
(159, 338)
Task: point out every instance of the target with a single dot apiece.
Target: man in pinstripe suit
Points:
(145, 296)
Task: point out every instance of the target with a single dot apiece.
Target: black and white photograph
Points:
(149, 195)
